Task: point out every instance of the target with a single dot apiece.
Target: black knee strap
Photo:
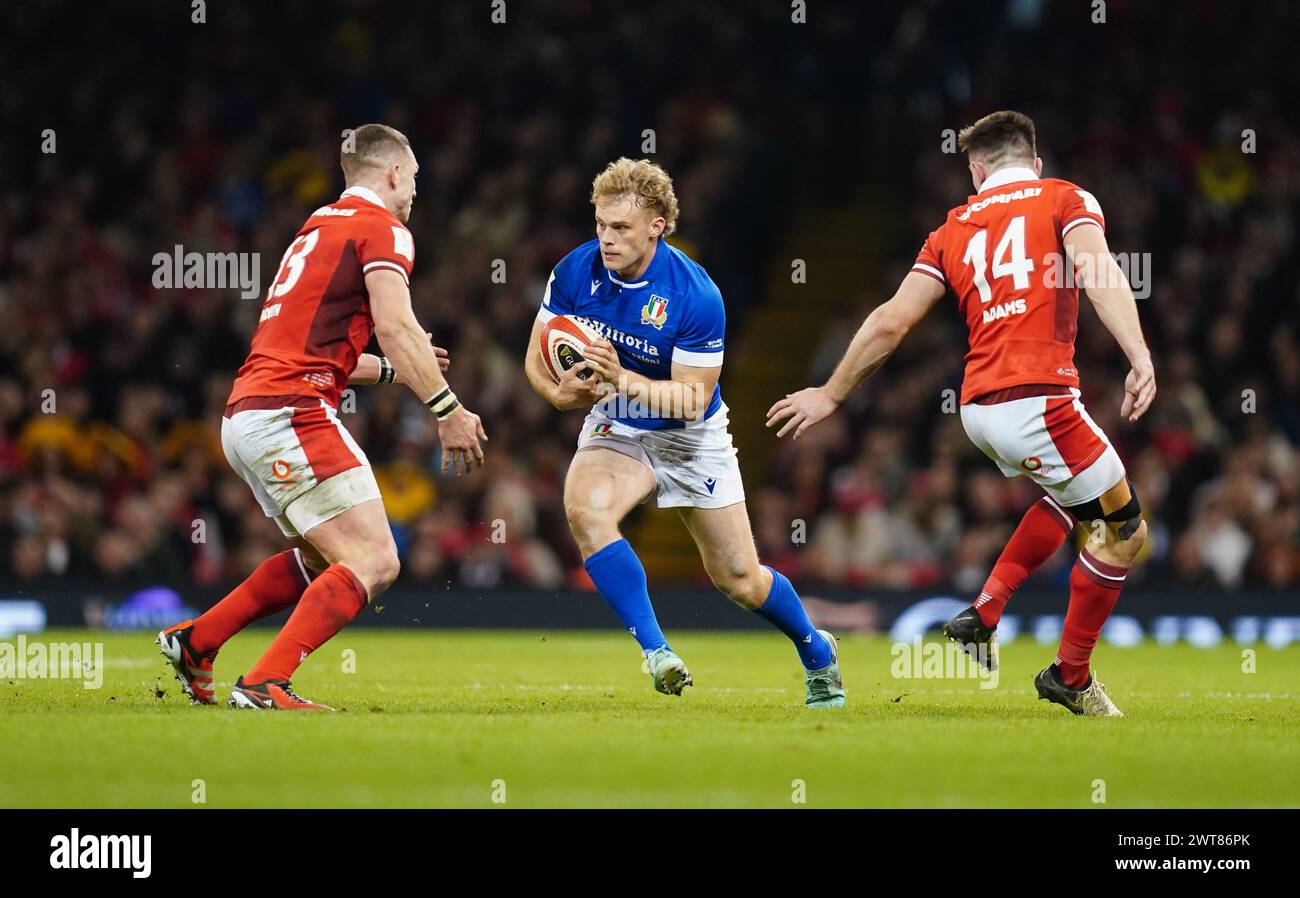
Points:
(1130, 514)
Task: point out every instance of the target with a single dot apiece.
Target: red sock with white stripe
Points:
(333, 599)
(277, 583)
(1094, 588)
(1040, 533)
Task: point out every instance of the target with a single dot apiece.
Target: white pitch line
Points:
(1266, 696)
(587, 687)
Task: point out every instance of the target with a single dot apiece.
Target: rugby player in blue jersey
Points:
(657, 424)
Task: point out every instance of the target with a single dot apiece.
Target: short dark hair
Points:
(1000, 137)
(370, 146)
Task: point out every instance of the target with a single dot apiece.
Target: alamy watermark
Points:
(76, 851)
(23, 660)
(919, 660)
(202, 271)
(1098, 271)
(656, 399)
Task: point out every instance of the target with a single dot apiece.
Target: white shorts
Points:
(1051, 440)
(300, 461)
(694, 466)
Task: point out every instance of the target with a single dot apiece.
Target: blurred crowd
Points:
(226, 134)
(223, 138)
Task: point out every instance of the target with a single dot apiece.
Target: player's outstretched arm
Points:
(373, 369)
(408, 348)
(571, 392)
(1108, 289)
(367, 371)
(874, 342)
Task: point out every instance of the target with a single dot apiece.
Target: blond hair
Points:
(645, 183)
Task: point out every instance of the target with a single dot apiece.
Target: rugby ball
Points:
(563, 340)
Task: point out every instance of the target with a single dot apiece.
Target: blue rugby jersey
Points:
(673, 312)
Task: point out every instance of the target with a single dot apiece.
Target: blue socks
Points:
(619, 576)
(784, 611)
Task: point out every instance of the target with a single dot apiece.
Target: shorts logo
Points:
(1034, 465)
(601, 430)
(281, 469)
(710, 484)
(655, 312)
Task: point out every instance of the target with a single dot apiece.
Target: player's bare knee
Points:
(590, 526)
(388, 568)
(1127, 549)
(741, 584)
(376, 566)
(1114, 545)
(311, 557)
(578, 515)
(379, 571)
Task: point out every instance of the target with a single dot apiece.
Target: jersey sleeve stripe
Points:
(697, 359)
(544, 314)
(1081, 220)
(384, 263)
(933, 272)
(405, 266)
(546, 297)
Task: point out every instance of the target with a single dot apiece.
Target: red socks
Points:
(1041, 532)
(274, 586)
(325, 605)
(1094, 587)
(328, 604)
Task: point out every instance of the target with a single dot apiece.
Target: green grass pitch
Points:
(542, 719)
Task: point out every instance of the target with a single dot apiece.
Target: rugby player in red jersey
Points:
(1007, 253)
(345, 275)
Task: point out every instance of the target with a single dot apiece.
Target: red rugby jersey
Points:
(1001, 252)
(316, 315)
